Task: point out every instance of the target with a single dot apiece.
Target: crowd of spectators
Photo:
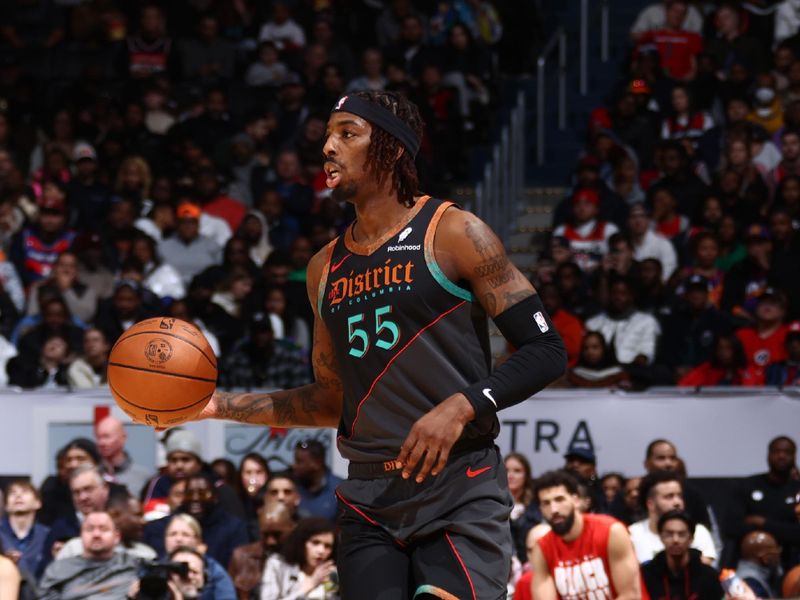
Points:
(99, 525)
(678, 242)
(165, 158)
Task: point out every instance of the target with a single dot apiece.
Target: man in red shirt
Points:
(583, 556)
(676, 47)
(764, 342)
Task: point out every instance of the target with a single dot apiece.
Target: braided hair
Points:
(383, 146)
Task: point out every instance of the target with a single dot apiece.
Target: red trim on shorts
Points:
(461, 562)
(389, 364)
(360, 512)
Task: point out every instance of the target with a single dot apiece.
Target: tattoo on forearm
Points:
(512, 298)
(490, 302)
(284, 410)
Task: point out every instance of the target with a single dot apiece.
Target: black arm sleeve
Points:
(540, 359)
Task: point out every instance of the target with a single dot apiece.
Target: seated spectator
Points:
(704, 252)
(282, 488)
(92, 269)
(160, 278)
(727, 366)
(214, 202)
(730, 46)
(467, 68)
(747, 279)
(254, 232)
(252, 476)
(790, 162)
(149, 51)
(661, 455)
(666, 219)
(678, 571)
(285, 324)
(282, 30)
(53, 319)
(372, 77)
(763, 343)
(98, 572)
(587, 236)
(80, 298)
(55, 491)
(194, 584)
(123, 309)
(22, 538)
(187, 250)
(247, 563)
(649, 244)
(767, 110)
(662, 492)
(233, 291)
(677, 47)
(35, 248)
(596, 366)
(259, 360)
(612, 485)
(48, 372)
(787, 196)
(685, 122)
(222, 532)
(267, 69)
(90, 493)
(787, 372)
(785, 256)
(129, 520)
(748, 193)
(315, 481)
(633, 333)
(678, 176)
(760, 502)
(305, 564)
(184, 531)
(525, 512)
(207, 58)
(89, 369)
(654, 17)
(116, 464)
(759, 564)
(691, 328)
(568, 325)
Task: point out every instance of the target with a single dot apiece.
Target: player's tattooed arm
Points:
(467, 249)
(318, 404)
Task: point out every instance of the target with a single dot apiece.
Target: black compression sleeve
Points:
(540, 359)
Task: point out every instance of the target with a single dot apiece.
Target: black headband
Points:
(383, 118)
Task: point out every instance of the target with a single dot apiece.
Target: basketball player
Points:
(584, 556)
(402, 368)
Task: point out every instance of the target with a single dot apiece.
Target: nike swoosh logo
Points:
(488, 393)
(335, 267)
(476, 472)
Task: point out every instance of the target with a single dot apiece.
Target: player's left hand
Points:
(433, 435)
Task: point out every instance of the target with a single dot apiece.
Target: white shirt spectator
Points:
(633, 335)
(7, 352)
(647, 544)
(287, 33)
(588, 242)
(654, 17)
(655, 245)
(787, 20)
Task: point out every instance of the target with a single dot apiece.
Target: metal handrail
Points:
(583, 51)
(559, 40)
(503, 175)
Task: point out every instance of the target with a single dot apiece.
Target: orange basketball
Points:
(791, 583)
(162, 371)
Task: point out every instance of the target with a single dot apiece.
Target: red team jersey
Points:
(763, 351)
(580, 568)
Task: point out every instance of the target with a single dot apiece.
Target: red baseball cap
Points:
(587, 195)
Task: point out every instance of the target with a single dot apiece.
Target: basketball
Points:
(791, 583)
(162, 372)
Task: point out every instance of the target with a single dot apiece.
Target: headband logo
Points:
(340, 102)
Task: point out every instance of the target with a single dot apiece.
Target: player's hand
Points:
(433, 436)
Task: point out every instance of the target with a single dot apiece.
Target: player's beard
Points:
(344, 192)
(564, 526)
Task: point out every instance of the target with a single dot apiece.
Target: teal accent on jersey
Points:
(443, 281)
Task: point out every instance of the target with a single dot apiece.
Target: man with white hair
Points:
(99, 573)
(116, 463)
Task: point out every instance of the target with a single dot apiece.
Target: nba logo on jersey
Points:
(404, 234)
(540, 321)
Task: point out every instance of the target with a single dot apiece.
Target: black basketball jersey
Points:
(405, 336)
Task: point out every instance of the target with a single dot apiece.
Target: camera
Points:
(153, 577)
